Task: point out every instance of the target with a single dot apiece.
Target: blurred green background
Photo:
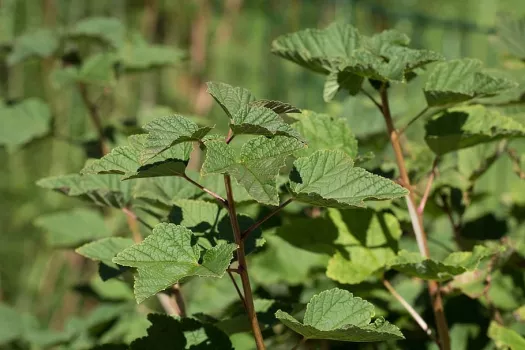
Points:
(222, 40)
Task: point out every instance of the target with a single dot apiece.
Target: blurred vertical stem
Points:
(148, 84)
(243, 268)
(417, 221)
(95, 118)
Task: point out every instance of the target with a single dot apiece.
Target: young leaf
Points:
(41, 43)
(328, 178)
(73, 227)
(248, 116)
(168, 255)
(461, 80)
(464, 127)
(369, 242)
(107, 29)
(124, 160)
(413, 264)
(105, 249)
(257, 166)
(167, 132)
(323, 132)
(105, 190)
(336, 314)
(23, 122)
(505, 337)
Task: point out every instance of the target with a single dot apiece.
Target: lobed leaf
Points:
(413, 264)
(461, 80)
(167, 132)
(256, 167)
(336, 314)
(323, 132)
(328, 178)
(464, 127)
(169, 254)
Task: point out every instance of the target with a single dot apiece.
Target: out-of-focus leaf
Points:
(23, 122)
(505, 337)
(107, 29)
(41, 43)
(105, 249)
(511, 33)
(72, 227)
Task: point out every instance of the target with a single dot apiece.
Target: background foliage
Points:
(166, 51)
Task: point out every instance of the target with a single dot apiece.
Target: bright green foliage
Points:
(168, 255)
(462, 80)
(105, 249)
(347, 57)
(511, 34)
(97, 70)
(73, 227)
(13, 325)
(456, 263)
(368, 240)
(23, 122)
(256, 167)
(41, 43)
(125, 160)
(505, 338)
(249, 116)
(105, 190)
(464, 127)
(179, 334)
(106, 29)
(329, 179)
(167, 132)
(336, 314)
(323, 132)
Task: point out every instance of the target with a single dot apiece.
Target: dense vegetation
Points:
(267, 225)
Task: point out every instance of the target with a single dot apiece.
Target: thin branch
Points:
(417, 222)
(419, 115)
(263, 220)
(95, 118)
(419, 320)
(423, 202)
(378, 105)
(237, 288)
(230, 136)
(219, 199)
(456, 228)
(179, 300)
(243, 267)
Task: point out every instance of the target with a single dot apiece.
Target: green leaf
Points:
(413, 264)
(41, 43)
(73, 227)
(23, 122)
(167, 132)
(336, 314)
(231, 99)
(257, 166)
(168, 255)
(98, 69)
(323, 132)
(347, 57)
(107, 29)
(505, 337)
(370, 241)
(464, 127)
(248, 116)
(328, 178)
(511, 34)
(105, 249)
(124, 160)
(167, 332)
(104, 190)
(144, 56)
(458, 81)
(13, 324)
